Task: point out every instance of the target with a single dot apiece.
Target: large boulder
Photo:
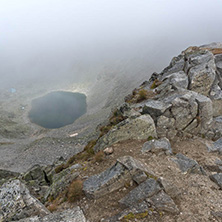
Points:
(139, 128)
(17, 203)
(125, 170)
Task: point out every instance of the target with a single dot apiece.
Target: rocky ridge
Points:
(181, 105)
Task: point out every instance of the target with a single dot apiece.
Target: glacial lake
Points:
(57, 109)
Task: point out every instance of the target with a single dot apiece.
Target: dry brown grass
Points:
(144, 95)
(155, 84)
(99, 157)
(52, 207)
(138, 95)
(75, 191)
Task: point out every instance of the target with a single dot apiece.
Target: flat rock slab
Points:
(123, 171)
(109, 180)
(156, 146)
(163, 202)
(188, 165)
(217, 178)
(17, 203)
(146, 189)
(71, 215)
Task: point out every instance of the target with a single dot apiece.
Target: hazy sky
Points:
(46, 37)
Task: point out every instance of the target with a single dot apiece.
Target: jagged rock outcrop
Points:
(17, 203)
(183, 99)
(125, 170)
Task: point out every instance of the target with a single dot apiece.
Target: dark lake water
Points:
(57, 109)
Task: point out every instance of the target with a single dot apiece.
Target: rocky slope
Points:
(156, 158)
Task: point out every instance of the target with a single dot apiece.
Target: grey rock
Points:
(75, 166)
(166, 127)
(188, 165)
(217, 215)
(217, 178)
(218, 162)
(146, 189)
(38, 173)
(218, 61)
(215, 147)
(212, 45)
(177, 80)
(139, 177)
(163, 202)
(128, 112)
(214, 168)
(60, 182)
(125, 170)
(71, 215)
(136, 209)
(216, 128)
(156, 146)
(176, 65)
(17, 203)
(106, 182)
(205, 109)
(138, 128)
(202, 72)
(169, 187)
(6, 175)
(217, 103)
(184, 110)
(189, 112)
(159, 202)
(155, 108)
(137, 169)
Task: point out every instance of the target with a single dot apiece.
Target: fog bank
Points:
(64, 39)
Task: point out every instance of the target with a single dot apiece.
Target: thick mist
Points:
(43, 40)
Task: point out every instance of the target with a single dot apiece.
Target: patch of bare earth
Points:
(198, 195)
